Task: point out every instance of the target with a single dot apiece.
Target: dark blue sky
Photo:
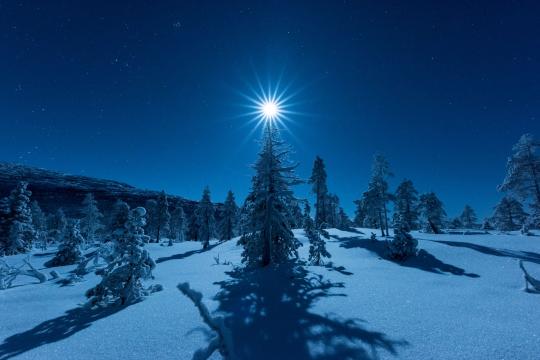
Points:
(147, 92)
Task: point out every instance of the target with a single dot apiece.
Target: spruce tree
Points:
(57, 225)
(432, 211)
(206, 222)
(39, 220)
(319, 189)
(229, 218)
(403, 245)
(70, 250)
(151, 206)
(270, 240)
(122, 278)
(162, 216)
(91, 220)
(178, 224)
(360, 213)
(317, 245)
(117, 219)
(343, 221)
(406, 204)
(468, 217)
(16, 228)
(509, 214)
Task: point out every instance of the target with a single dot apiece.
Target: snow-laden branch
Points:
(222, 342)
(535, 283)
(9, 273)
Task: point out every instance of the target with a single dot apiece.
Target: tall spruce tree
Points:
(406, 204)
(319, 189)
(17, 231)
(270, 239)
(162, 216)
(229, 218)
(317, 245)
(206, 222)
(432, 211)
(468, 217)
(91, 220)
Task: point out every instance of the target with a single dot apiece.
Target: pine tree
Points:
(455, 223)
(509, 214)
(229, 218)
(178, 224)
(39, 221)
(57, 225)
(332, 211)
(118, 218)
(372, 203)
(163, 217)
(270, 239)
(486, 225)
(122, 278)
(406, 204)
(403, 245)
(432, 212)
(296, 217)
(343, 221)
(523, 170)
(91, 221)
(16, 229)
(360, 213)
(317, 245)
(468, 217)
(206, 223)
(151, 206)
(320, 189)
(70, 250)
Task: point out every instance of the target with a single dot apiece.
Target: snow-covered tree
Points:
(151, 218)
(509, 214)
(343, 221)
(270, 239)
(403, 245)
(432, 212)
(122, 278)
(360, 213)
(317, 245)
(455, 223)
(332, 211)
(373, 210)
(319, 189)
(178, 224)
(406, 204)
(57, 225)
(16, 228)
(229, 218)
(91, 220)
(158, 216)
(206, 222)
(523, 169)
(117, 219)
(486, 225)
(39, 220)
(70, 250)
(296, 217)
(468, 217)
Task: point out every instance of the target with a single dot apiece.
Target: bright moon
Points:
(269, 110)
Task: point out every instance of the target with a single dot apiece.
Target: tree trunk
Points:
(381, 223)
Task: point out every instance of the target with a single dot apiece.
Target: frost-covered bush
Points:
(121, 278)
(70, 250)
(403, 245)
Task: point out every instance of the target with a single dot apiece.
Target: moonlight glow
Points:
(270, 110)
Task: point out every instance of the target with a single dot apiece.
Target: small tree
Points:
(229, 218)
(178, 224)
(406, 204)
(57, 226)
(122, 278)
(403, 245)
(468, 217)
(69, 252)
(317, 245)
(509, 214)
(39, 220)
(91, 221)
(432, 212)
(319, 189)
(16, 228)
(206, 222)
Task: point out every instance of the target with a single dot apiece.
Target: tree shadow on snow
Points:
(267, 312)
(519, 255)
(187, 253)
(54, 330)
(423, 261)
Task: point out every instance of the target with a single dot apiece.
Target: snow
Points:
(463, 298)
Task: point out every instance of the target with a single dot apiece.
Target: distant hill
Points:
(53, 190)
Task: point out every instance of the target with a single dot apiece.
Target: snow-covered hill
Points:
(51, 188)
(462, 298)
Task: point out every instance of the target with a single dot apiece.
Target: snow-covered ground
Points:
(462, 298)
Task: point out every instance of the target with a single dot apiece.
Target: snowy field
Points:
(462, 298)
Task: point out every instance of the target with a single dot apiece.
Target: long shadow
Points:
(54, 330)
(267, 312)
(423, 261)
(520, 255)
(186, 254)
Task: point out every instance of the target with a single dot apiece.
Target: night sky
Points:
(149, 93)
